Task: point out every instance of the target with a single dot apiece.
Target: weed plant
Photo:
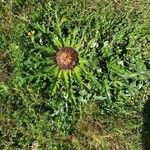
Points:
(58, 58)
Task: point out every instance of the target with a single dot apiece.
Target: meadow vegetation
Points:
(93, 99)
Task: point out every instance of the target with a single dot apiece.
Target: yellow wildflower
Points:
(31, 34)
(64, 19)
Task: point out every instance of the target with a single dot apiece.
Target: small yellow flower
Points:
(64, 19)
(31, 34)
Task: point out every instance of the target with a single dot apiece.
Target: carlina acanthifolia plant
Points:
(64, 61)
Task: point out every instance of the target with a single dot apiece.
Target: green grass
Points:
(97, 105)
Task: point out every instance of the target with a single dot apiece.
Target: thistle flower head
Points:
(67, 58)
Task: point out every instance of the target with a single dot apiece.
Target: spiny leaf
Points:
(74, 34)
(40, 27)
(77, 75)
(70, 93)
(66, 79)
(58, 23)
(107, 89)
(57, 40)
(54, 85)
(44, 48)
(117, 69)
(54, 88)
(50, 68)
(83, 60)
(90, 76)
(73, 37)
(67, 41)
(59, 74)
(56, 71)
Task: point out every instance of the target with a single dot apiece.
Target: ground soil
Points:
(5, 67)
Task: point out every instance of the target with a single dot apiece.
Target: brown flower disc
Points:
(67, 58)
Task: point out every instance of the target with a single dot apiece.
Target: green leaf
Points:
(54, 85)
(50, 69)
(4, 89)
(44, 48)
(77, 44)
(107, 89)
(73, 37)
(70, 93)
(83, 60)
(74, 34)
(66, 78)
(120, 71)
(106, 50)
(90, 76)
(40, 27)
(56, 72)
(54, 89)
(67, 41)
(77, 75)
(57, 40)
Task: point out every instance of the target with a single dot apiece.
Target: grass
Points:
(102, 103)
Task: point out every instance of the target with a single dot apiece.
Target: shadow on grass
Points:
(146, 126)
